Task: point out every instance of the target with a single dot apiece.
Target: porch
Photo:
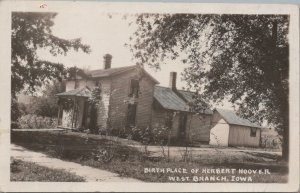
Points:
(74, 109)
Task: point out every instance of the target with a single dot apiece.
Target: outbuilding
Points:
(229, 129)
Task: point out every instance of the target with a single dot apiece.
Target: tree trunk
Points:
(286, 135)
(285, 145)
(282, 94)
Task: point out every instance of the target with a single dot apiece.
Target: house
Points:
(228, 129)
(130, 97)
(171, 109)
(126, 98)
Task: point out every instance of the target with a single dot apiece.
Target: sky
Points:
(106, 33)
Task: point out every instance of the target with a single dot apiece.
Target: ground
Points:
(128, 158)
(28, 171)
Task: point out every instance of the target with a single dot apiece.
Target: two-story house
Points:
(126, 98)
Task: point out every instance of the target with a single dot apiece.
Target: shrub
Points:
(32, 121)
(160, 135)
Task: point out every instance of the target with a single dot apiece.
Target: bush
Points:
(155, 136)
(32, 121)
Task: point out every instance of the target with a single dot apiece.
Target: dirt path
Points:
(213, 154)
(90, 174)
(203, 149)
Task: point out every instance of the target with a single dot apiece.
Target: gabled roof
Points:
(102, 73)
(79, 92)
(171, 100)
(232, 118)
(108, 72)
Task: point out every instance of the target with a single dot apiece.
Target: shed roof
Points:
(171, 100)
(79, 92)
(232, 118)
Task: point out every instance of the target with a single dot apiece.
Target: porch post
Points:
(73, 113)
(58, 114)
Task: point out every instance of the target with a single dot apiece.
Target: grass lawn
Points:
(27, 171)
(115, 156)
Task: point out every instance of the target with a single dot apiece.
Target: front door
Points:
(131, 115)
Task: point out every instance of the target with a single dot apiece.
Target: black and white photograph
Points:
(106, 95)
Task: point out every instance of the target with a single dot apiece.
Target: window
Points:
(131, 115)
(134, 88)
(253, 132)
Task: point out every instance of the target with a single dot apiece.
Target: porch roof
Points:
(79, 92)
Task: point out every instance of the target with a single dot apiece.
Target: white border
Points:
(7, 7)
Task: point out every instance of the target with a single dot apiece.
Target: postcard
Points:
(177, 97)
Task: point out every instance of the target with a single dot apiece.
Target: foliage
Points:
(103, 155)
(72, 72)
(32, 121)
(47, 104)
(95, 101)
(31, 32)
(160, 135)
(240, 58)
(271, 142)
(15, 113)
(154, 136)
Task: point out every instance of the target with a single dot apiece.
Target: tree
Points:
(47, 104)
(242, 58)
(95, 102)
(31, 31)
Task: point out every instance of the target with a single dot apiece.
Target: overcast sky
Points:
(105, 34)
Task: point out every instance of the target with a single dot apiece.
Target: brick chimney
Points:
(107, 61)
(172, 83)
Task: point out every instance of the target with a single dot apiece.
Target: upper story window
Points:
(253, 132)
(134, 88)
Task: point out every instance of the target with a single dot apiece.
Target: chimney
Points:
(172, 83)
(107, 61)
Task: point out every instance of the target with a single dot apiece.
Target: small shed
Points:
(229, 129)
